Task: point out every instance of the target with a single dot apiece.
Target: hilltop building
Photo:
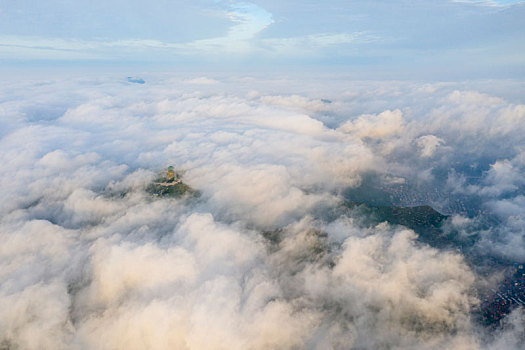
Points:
(170, 174)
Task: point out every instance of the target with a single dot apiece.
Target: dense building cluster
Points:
(443, 201)
(509, 295)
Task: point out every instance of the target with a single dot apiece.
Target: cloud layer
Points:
(264, 258)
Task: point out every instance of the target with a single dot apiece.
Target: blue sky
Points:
(472, 38)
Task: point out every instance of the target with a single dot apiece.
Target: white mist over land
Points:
(90, 260)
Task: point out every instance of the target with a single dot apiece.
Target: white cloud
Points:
(429, 144)
(498, 3)
(301, 45)
(84, 266)
(202, 81)
(381, 126)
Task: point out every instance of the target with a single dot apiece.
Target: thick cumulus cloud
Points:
(264, 258)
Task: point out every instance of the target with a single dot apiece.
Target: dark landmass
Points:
(374, 191)
(169, 184)
(175, 190)
(424, 220)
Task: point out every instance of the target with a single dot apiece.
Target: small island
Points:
(169, 184)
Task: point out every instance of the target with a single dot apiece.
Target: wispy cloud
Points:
(308, 43)
(242, 38)
(227, 33)
(499, 3)
(248, 21)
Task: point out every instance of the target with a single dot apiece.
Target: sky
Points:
(453, 39)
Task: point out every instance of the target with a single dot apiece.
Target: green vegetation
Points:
(424, 220)
(176, 190)
(169, 184)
